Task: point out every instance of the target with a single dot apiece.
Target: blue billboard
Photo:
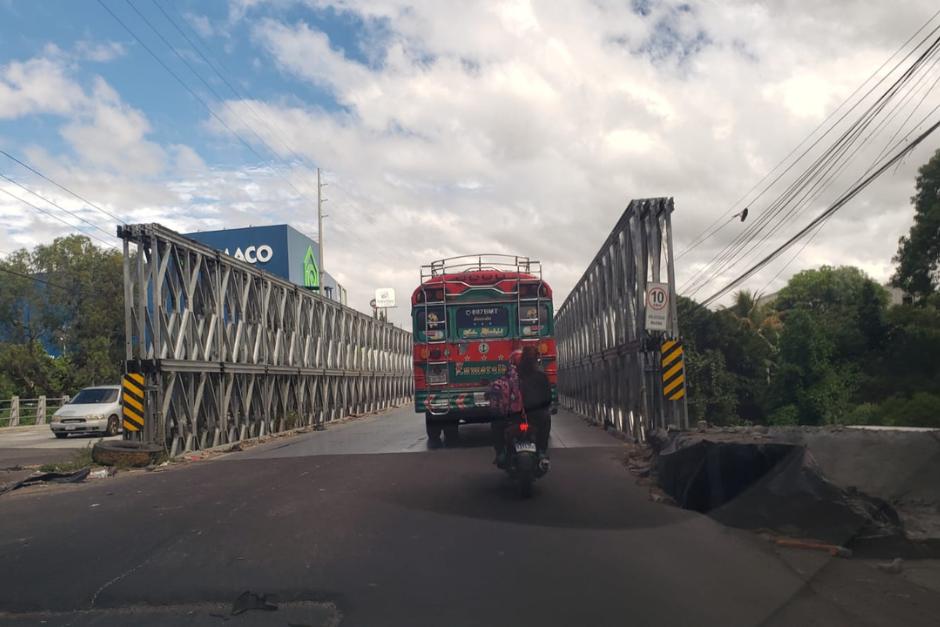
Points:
(279, 249)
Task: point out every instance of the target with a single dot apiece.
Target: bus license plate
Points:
(525, 447)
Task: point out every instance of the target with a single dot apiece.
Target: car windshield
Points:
(90, 396)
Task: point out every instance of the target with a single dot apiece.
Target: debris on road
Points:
(248, 600)
(658, 496)
(48, 477)
(893, 567)
(832, 549)
(102, 473)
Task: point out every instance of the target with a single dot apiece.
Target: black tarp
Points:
(769, 485)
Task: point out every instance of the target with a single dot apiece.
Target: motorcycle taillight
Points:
(523, 426)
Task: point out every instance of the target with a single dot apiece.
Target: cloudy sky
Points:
(446, 128)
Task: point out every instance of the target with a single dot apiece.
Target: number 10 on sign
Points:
(657, 307)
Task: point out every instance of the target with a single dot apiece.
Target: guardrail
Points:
(608, 363)
(18, 412)
(228, 351)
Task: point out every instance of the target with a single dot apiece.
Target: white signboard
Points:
(657, 307)
(385, 297)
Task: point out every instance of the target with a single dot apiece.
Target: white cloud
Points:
(518, 127)
(113, 136)
(112, 160)
(37, 86)
(98, 51)
(559, 113)
(201, 24)
(188, 161)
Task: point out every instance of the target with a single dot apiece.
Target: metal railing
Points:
(19, 412)
(229, 351)
(609, 365)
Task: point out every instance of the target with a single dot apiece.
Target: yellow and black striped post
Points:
(133, 401)
(673, 368)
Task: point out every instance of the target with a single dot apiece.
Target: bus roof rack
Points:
(480, 262)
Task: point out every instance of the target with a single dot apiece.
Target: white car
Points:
(93, 410)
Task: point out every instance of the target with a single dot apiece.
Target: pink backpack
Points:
(505, 395)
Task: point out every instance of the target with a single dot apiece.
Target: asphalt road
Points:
(22, 446)
(362, 525)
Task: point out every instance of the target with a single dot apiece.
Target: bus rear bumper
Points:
(450, 404)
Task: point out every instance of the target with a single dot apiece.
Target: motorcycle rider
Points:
(537, 400)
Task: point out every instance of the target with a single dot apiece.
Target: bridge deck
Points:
(409, 537)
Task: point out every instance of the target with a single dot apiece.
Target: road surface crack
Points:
(127, 573)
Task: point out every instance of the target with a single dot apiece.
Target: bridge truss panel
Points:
(609, 365)
(229, 351)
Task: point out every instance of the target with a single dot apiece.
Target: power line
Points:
(825, 215)
(796, 256)
(62, 187)
(710, 231)
(54, 204)
(34, 278)
(219, 72)
(824, 184)
(798, 192)
(189, 89)
(732, 250)
(55, 217)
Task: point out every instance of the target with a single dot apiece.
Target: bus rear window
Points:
(482, 321)
(534, 321)
(434, 325)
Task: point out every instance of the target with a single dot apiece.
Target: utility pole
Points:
(320, 216)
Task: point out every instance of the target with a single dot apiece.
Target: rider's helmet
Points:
(515, 357)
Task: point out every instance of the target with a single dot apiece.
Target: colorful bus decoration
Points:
(469, 314)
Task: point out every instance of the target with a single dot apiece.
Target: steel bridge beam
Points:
(609, 365)
(229, 351)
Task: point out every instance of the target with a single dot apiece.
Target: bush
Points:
(785, 416)
(920, 410)
(864, 414)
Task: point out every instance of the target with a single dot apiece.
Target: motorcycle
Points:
(522, 460)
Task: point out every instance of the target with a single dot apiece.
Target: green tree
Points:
(837, 299)
(918, 256)
(807, 377)
(727, 364)
(906, 362)
(871, 315)
(86, 318)
(746, 309)
(76, 313)
(20, 300)
(711, 387)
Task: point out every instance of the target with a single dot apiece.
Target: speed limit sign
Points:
(657, 307)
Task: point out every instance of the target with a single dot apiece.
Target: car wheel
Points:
(61, 435)
(112, 426)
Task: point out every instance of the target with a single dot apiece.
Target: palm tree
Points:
(756, 316)
(746, 309)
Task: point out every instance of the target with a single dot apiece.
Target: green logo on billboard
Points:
(311, 271)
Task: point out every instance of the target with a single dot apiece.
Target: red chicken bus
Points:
(469, 314)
